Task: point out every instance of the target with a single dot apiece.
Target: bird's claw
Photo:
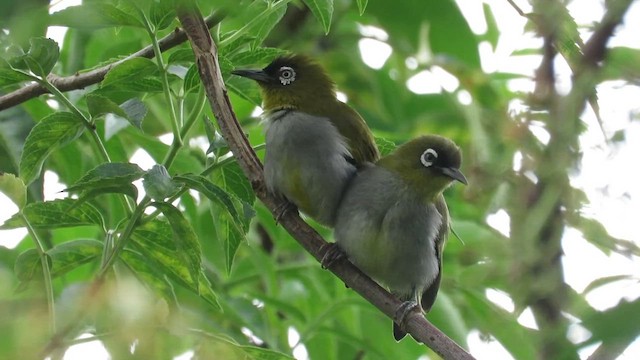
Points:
(332, 253)
(400, 318)
(282, 209)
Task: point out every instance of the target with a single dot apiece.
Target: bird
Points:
(314, 143)
(393, 220)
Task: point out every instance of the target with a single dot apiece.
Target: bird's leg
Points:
(282, 209)
(332, 253)
(401, 316)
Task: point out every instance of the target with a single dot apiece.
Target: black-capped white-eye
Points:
(287, 75)
(428, 157)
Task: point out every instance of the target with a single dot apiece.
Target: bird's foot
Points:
(282, 209)
(400, 318)
(332, 253)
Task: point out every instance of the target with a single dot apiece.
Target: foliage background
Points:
(203, 278)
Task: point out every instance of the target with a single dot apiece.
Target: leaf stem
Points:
(166, 89)
(122, 240)
(46, 272)
(236, 35)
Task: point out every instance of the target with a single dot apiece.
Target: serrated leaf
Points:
(42, 56)
(127, 189)
(185, 239)
(133, 74)
(253, 57)
(108, 175)
(618, 323)
(8, 76)
(99, 105)
(135, 111)
(385, 146)
(231, 178)
(147, 273)
(181, 56)
(162, 14)
(93, 15)
(322, 10)
(56, 214)
(158, 184)
(362, 6)
(212, 192)
(14, 189)
(266, 23)
(69, 255)
(246, 89)
(191, 80)
(63, 258)
(27, 265)
(155, 241)
(231, 238)
(50, 133)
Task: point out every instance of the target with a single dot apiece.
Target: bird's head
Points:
(428, 164)
(292, 82)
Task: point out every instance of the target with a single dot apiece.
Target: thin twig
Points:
(206, 58)
(82, 80)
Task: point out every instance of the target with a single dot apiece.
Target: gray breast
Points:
(306, 161)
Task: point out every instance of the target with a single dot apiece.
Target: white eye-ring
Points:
(428, 157)
(287, 75)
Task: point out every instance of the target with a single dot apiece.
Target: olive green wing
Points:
(361, 143)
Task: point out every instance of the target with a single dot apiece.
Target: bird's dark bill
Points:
(257, 75)
(455, 174)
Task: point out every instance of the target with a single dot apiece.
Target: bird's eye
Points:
(287, 75)
(428, 157)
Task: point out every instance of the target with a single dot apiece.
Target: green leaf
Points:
(93, 15)
(231, 238)
(137, 74)
(9, 76)
(212, 192)
(27, 265)
(615, 324)
(245, 88)
(50, 133)
(231, 178)
(132, 110)
(191, 80)
(108, 175)
(362, 5)
(185, 239)
(322, 10)
(14, 189)
(63, 258)
(155, 240)
(127, 189)
(42, 56)
(135, 111)
(158, 184)
(69, 255)
(56, 214)
(99, 105)
(181, 56)
(162, 14)
(263, 55)
(147, 273)
(385, 146)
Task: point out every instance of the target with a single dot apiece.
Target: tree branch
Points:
(206, 58)
(595, 48)
(82, 80)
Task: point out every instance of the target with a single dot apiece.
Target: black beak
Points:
(455, 174)
(257, 75)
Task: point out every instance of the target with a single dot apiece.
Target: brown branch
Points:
(82, 80)
(595, 48)
(206, 57)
